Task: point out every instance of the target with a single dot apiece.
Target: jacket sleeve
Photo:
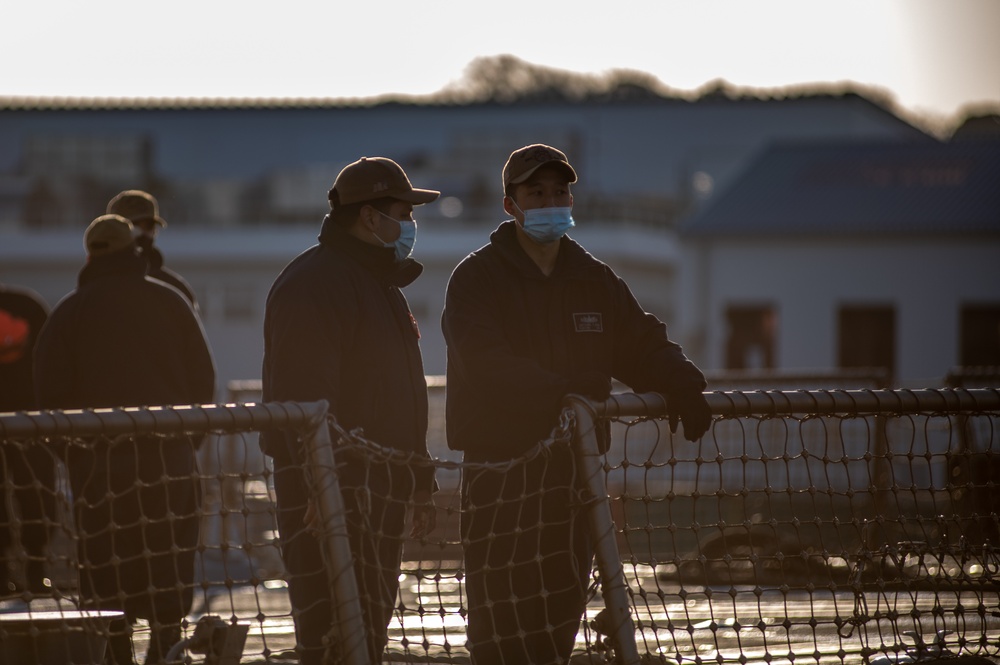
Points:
(645, 358)
(202, 364)
(55, 376)
(480, 352)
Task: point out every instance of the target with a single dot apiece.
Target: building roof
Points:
(832, 189)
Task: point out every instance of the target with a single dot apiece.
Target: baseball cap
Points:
(107, 234)
(372, 178)
(136, 206)
(525, 161)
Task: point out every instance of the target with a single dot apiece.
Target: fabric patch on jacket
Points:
(588, 322)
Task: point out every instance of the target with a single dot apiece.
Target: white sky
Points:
(933, 56)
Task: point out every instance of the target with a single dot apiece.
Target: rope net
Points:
(826, 538)
(823, 537)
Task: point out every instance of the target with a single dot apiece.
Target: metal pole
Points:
(819, 402)
(348, 625)
(613, 586)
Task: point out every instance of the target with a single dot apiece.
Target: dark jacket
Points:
(122, 339)
(516, 338)
(156, 269)
(337, 327)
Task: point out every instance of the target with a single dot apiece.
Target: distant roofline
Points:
(719, 93)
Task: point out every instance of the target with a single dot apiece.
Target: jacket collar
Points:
(125, 262)
(377, 260)
(150, 253)
(572, 259)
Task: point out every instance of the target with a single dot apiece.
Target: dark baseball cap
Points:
(107, 234)
(525, 161)
(136, 205)
(372, 178)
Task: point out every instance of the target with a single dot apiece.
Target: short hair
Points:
(345, 215)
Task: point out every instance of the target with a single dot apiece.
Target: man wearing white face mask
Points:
(528, 319)
(337, 327)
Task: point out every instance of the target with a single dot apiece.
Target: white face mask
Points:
(403, 245)
(545, 225)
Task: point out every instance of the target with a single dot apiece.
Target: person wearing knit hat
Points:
(142, 209)
(337, 327)
(124, 339)
(528, 319)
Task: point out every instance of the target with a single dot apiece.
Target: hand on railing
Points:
(692, 410)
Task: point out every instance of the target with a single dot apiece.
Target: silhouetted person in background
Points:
(123, 339)
(528, 319)
(22, 314)
(337, 327)
(141, 209)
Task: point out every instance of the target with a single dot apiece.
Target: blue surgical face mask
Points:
(545, 225)
(403, 245)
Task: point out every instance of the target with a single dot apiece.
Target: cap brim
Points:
(556, 162)
(417, 196)
(157, 220)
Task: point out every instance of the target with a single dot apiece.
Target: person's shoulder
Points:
(579, 258)
(164, 292)
(317, 275)
(474, 263)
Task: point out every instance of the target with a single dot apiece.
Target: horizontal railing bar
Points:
(162, 419)
(819, 402)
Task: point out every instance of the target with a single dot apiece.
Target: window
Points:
(751, 336)
(980, 335)
(867, 337)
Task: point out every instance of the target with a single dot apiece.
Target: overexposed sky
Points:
(932, 56)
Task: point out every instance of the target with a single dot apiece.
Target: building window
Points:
(751, 335)
(980, 331)
(867, 337)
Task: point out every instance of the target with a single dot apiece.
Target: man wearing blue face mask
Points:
(337, 327)
(528, 319)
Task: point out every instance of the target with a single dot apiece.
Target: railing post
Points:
(597, 504)
(349, 627)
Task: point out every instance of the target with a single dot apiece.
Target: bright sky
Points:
(932, 56)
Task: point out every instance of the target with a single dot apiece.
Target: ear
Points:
(508, 206)
(367, 216)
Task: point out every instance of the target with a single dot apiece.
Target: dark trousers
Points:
(30, 470)
(527, 560)
(137, 506)
(375, 524)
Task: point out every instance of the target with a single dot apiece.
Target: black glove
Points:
(692, 410)
(592, 384)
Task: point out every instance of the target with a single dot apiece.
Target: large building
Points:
(849, 255)
(243, 185)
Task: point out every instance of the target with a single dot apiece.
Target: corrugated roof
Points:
(860, 188)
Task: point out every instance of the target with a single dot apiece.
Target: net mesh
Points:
(826, 537)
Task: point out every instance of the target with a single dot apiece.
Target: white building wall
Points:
(926, 280)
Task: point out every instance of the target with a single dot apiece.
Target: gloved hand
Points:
(692, 410)
(593, 384)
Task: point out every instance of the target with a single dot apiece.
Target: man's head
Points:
(140, 208)
(371, 196)
(525, 162)
(539, 176)
(106, 235)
